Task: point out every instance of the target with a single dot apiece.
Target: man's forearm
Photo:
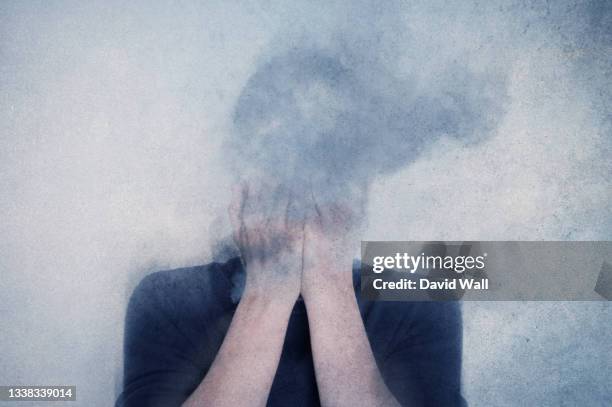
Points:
(346, 371)
(244, 369)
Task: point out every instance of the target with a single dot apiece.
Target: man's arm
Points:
(161, 367)
(346, 371)
(244, 368)
(270, 246)
(345, 368)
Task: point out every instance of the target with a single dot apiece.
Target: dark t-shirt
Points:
(176, 321)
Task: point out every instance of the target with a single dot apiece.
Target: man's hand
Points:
(271, 243)
(328, 249)
(345, 368)
(270, 240)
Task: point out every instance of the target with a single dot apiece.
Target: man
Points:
(297, 333)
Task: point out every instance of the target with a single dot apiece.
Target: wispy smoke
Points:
(112, 117)
(323, 122)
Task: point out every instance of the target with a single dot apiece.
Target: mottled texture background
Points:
(114, 120)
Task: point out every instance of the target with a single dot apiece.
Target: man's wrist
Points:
(268, 299)
(333, 288)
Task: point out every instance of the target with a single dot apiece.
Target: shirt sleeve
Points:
(158, 367)
(421, 351)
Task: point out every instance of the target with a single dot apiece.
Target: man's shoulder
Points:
(175, 288)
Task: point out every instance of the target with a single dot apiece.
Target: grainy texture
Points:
(114, 121)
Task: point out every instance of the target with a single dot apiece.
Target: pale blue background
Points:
(113, 117)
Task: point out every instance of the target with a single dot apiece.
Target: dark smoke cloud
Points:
(328, 121)
(109, 162)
